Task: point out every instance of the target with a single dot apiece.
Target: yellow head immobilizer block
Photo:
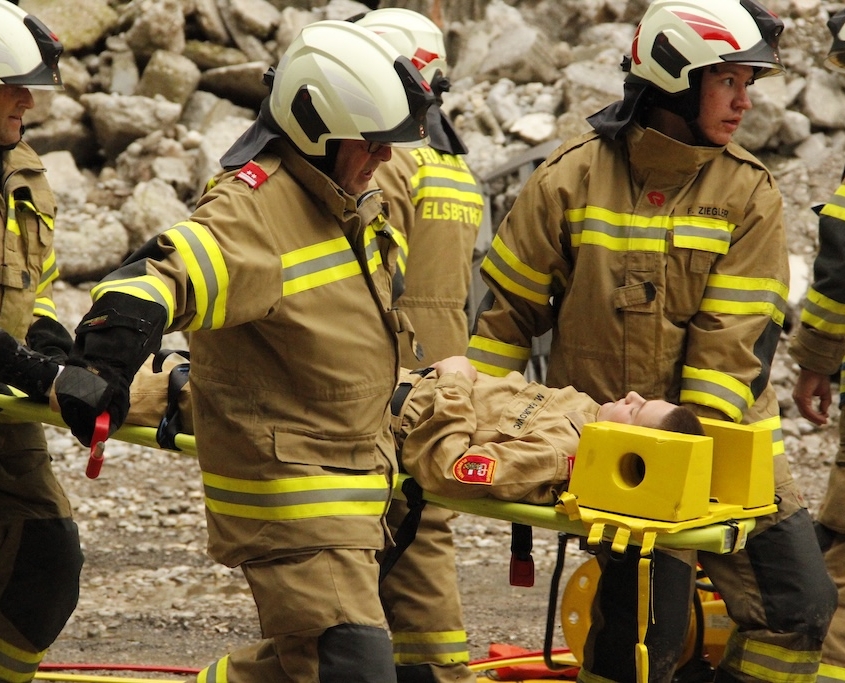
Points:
(743, 469)
(672, 477)
(642, 472)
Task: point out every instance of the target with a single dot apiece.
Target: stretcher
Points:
(630, 486)
(726, 534)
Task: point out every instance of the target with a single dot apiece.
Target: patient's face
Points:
(635, 410)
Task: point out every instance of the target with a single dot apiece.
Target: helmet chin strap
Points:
(687, 105)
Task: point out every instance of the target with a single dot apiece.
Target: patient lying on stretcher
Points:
(463, 434)
(459, 433)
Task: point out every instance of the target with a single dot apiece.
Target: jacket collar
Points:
(353, 212)
(654, 155)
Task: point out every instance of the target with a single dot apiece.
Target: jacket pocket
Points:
(687, 272)
(333, 453)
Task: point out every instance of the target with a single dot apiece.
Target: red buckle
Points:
(522, 571)
(98, 445)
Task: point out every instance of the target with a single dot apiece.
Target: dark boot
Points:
(30, 372)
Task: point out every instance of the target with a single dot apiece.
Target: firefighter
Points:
(436, 205)
(283, 276)
(460, 434)
(653, 248)
(40, 555)
(818, 346)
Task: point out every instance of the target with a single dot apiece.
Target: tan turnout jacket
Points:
(437, 205)
(27, 211)
(285, 284)
(659, 267)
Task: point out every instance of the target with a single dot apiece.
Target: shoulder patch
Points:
(474, 468)
(252, 174)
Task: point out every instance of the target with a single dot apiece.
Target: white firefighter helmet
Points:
(676, 37)
(414, 35)
(340, 81)
(835, 60)
(29, 51)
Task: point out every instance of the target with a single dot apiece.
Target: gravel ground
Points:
(151, 596)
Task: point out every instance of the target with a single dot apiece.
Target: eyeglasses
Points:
(376, 147)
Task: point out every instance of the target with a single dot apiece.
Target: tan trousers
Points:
(299, 598)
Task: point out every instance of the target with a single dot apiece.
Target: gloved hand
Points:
(24, 369)
(112, 341)
(49, 337)
(85, 392)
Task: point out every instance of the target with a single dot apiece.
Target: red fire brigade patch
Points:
(474, 468)
(252, 175)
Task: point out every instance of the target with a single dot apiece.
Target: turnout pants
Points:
(777, 590)
(321, 620)
(832, 516)
(422, 603)
(40, 556)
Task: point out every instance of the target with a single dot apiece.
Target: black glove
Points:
(112, 341)
(84, 393)
(31, 372)
(49, 337)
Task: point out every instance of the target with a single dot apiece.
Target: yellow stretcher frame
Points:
(723, 537)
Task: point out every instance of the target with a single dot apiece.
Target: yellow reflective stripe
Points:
(737, 295)
(371, 247)
(12, 217)
(12, 223)
(836, 206)
(833, 211)
(705, 234)
(215, 673)
(438, 182)
(207, 271)
(16, 665)
(616, 231)
(775, 664)
(496, 358)
(317, 265)
(297, 497)
(45, 308)
(513, 275)
(716, 390)
(146, 287)
(436, 647)
(823, 313)
(49, 272)
(828, 673)
(310, 511)
(402, 243)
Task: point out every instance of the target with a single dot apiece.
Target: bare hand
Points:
(456, 364)
(809, 385)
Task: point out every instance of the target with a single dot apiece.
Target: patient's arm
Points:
(447, 454)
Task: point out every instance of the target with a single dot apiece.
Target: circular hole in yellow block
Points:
(630, 471)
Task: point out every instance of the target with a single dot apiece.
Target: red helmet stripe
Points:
(423, 58)
(635, 53)
(708, 29)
